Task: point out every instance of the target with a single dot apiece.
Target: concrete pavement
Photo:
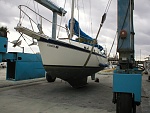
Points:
(39, 96)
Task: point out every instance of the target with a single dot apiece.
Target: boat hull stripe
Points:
(67, 45)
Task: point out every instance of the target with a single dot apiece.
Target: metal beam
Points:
(50, 5)
(54, 25)
(125, 33)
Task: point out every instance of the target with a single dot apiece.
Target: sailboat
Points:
(72, 61)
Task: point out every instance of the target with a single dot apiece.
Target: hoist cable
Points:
(30, 47)
(113, 43)
(101, 24)
(91, 18)
(27, 4)
(108, 6)
(104, 17)
(78, 18)
(35, 11)
(28, 44)
(38, 11)
(61, 19)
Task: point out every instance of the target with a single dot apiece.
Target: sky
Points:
(89, 16)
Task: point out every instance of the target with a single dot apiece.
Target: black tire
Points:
(49, 78)
(134, 105)
(124, 103)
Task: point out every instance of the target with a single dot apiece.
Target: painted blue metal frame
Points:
(128, 83)
(27, 66)
(125, 22)
(3, 44)
(51, 6)
(126, 79)
(21, 66)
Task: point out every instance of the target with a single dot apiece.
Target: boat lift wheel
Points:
(49, 78)
(125, 103)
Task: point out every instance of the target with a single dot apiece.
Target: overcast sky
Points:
(90, 17)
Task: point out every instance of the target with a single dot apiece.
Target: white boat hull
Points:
(66, 61)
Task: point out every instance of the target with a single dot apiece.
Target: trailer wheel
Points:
(124, 103)
(49, 78)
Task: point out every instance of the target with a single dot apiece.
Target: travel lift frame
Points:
(126, 78)
(20, 66)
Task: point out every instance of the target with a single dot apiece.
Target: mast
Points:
(72, 17)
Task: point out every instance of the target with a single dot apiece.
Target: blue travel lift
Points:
(20, 66)
(126, 78)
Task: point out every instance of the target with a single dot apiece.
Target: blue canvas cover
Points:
(77, 30)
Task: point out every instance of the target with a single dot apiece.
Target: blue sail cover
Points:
(77, 30)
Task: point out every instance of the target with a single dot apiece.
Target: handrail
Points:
(35, 13)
